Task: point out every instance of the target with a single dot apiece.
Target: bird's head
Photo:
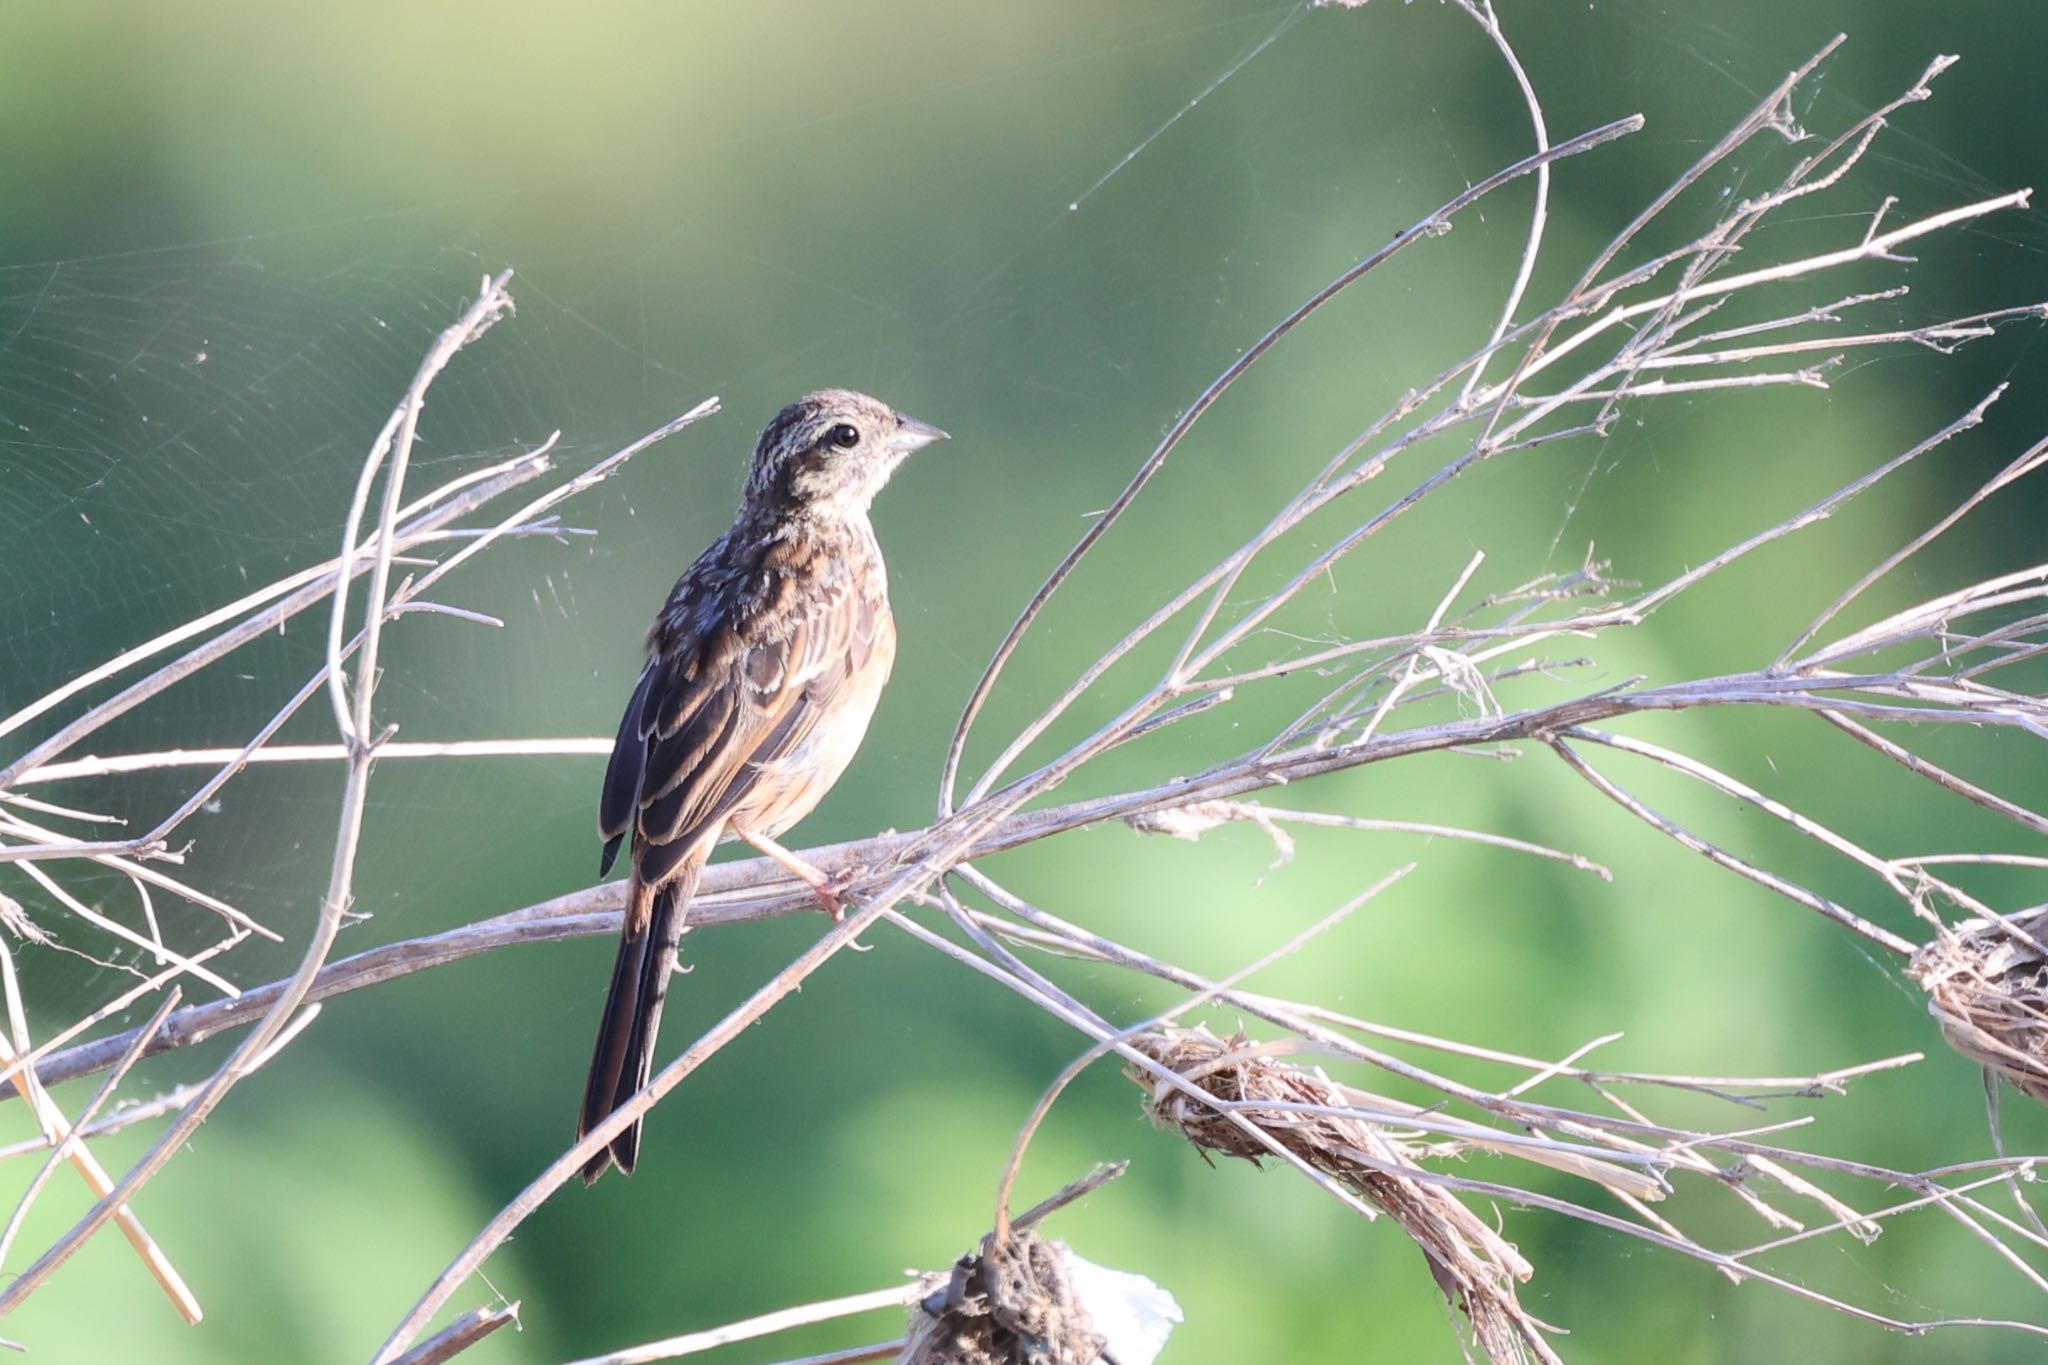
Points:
(832, 451)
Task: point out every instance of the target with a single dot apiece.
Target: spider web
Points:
(180, 423)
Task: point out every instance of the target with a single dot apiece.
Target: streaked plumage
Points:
(763, 669)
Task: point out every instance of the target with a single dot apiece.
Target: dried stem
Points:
(461, 1334)
(767, 1324)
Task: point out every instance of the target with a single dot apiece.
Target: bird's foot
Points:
(832, 899)
(829, 887)
(832, 891)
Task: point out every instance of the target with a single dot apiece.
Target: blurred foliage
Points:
(235, 226)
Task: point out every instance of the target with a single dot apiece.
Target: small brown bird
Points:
(763, 670)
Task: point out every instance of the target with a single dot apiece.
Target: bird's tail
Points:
(624, 1057)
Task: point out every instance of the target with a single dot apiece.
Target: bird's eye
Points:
(843, 436)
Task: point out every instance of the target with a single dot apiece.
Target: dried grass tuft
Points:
(1987, 986)
(1476, 1268)
(1011, 1302)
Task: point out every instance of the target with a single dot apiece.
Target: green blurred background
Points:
(231, 231)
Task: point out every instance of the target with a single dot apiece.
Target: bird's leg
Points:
(829, 888)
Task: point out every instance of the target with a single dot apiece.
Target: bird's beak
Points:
(911, 434)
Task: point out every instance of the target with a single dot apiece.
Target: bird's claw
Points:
(832, 892)
(833, 898)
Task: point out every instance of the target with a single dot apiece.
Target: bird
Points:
(763, 670)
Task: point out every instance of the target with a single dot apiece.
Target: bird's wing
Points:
(622, 774)
(716, 707)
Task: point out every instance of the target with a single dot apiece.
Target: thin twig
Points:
(461, 1334)
(767, 1324)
